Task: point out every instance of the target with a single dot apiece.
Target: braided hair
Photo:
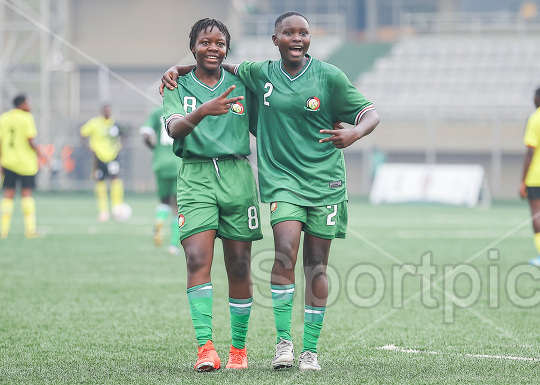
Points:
(203, 25)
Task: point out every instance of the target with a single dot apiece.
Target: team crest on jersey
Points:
(273, 207)
(237, 108)
(313, 104)
(181, 221)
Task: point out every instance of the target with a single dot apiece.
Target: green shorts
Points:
(327, 222)
(166, 187)
(218, 195)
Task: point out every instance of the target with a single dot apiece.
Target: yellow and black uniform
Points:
(105, 142)
(532, 140)
(16, 127)
(19, 162)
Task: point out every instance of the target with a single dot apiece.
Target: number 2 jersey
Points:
(293, 166)
(214, 136)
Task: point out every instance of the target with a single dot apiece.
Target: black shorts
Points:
(104, 170)
(533, 192)
(11, 178)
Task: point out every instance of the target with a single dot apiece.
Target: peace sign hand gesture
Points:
(220, 105)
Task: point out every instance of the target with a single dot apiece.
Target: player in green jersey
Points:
(105, 142)
(19, 164)
(301, 169)
(207, 115)
(530, 180)
(165, 165)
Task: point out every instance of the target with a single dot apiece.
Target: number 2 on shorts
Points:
(329, 221)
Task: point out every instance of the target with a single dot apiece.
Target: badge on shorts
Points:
(335, 184)
(273, 207)
(181, 221)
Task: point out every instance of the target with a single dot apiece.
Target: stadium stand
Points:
(458, 76)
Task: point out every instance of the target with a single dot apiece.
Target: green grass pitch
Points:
(98, 303)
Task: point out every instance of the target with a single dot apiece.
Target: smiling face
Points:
(210, 49)
(292, 39)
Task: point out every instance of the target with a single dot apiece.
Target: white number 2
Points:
(329, 221)
(270, 89)
(253, 220)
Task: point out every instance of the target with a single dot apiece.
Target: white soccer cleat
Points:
(284, 357)
(308, 361)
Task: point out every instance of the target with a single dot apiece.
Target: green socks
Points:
(200, 304)
(240, 311)
(313, 320)
(282, 302)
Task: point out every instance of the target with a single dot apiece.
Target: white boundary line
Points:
(399, 349)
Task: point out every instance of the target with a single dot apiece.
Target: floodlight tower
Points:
(33, 59)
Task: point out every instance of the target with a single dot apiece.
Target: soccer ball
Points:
(121, 212)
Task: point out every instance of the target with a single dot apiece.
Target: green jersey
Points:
(293, 166)
(165, 163)
(214, 136)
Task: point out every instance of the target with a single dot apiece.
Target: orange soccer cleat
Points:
(208, 358)
(237, 359)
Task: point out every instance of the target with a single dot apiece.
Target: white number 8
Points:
(253, 220)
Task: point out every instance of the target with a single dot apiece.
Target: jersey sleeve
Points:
(87, 128)
(348, 104)
(153, 122)
(248, 72)
(172, 106)
(31, 131)
(532, 132)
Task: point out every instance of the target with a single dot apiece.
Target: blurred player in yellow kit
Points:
(105, 143)
(530, 181)
(19, 161)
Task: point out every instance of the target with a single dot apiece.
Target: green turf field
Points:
(96, 303)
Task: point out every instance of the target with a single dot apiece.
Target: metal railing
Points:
(475, 22)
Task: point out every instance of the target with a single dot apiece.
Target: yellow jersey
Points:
(16, 154)
(532, 139)
(104, 137)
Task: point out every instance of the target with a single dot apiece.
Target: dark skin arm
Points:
(526, 164)
(171, 75)
(147, 139)
(342, 137)
(182, 127)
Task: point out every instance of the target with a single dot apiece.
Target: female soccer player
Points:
(530, 181)
(216, 188)
(301, 169)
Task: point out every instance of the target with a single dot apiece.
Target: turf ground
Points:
(96, 303)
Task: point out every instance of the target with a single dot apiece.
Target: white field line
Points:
(394, 348)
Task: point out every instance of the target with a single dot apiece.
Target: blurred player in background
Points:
(301, 170)
(530, 181)
(165, 165)
(19, 160)
(105, 142)
(217, 194)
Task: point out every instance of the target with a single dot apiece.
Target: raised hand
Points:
(340, 136)
(220, 105)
